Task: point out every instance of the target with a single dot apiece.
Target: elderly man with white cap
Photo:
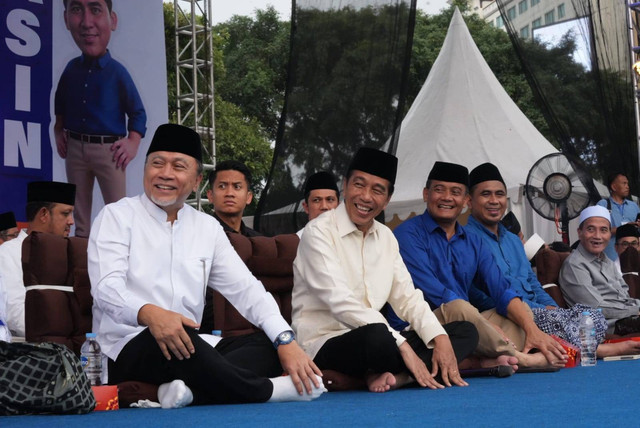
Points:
(589, 277)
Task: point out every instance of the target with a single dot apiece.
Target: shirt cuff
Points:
(275, 325)
(130, 312)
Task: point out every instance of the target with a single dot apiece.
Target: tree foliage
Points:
(256, 53)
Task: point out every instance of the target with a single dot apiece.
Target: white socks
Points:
(174, 395)
(285, 390)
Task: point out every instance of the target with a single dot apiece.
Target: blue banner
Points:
(25, 87)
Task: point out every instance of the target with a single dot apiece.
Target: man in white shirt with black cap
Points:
(150, 260)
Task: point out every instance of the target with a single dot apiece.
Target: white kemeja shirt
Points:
(136, 257)
(11, 271)
(342, 279)
(5, 334)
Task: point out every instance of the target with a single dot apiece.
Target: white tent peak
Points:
(462, 115)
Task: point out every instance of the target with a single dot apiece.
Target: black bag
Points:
(627, 325)
(42, 378)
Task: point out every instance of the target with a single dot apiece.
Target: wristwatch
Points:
(284, 338)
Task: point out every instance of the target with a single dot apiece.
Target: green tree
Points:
(256, 54)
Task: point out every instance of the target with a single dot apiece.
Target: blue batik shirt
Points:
(445, 269)
(96, 96)
(508, 251)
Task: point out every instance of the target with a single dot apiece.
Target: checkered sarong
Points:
(565, 323)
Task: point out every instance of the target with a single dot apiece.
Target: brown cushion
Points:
(53, 315)
(548, 263)
(270, 259)
(630, 264)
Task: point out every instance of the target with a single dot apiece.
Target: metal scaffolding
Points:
(194, 78)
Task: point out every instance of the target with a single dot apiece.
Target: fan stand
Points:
(564, 221)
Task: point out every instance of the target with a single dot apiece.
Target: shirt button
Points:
(85, 85)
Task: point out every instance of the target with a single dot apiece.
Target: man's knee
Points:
(377, 339)
(458, 310)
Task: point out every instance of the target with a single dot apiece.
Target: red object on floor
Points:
(572, 351)
(106, 397)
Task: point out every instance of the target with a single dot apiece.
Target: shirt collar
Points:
(100, 62)
(431, 226)
(346, 226)
(476, 225)
(588, 256)
(155, 211)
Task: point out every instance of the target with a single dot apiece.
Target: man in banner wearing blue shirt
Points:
(94, 94)
(444, 259)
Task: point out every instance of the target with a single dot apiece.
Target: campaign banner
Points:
(25, 66)
(41, 41)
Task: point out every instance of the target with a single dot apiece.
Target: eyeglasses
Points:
(627, 244)
(7, 236)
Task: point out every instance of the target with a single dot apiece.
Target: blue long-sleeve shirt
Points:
(96, 96)
(445, 269)
(508, 251)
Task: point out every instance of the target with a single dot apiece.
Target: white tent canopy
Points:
(463, 115)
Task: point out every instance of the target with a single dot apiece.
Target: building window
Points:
(534, 2)
(561, 11)
(522, 7)
(550, 17)
(524, 32)
(511, 13)
(499, 22)
(536, 23)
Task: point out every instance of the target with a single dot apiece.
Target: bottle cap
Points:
(90, 335)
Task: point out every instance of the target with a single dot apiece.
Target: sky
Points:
(222, 10)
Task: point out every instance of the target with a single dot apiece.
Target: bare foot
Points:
(507, 360)
(628, 347)
(538, 361)
(380, 382)
(475, 362)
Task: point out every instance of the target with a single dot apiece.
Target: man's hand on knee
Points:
(167, 328)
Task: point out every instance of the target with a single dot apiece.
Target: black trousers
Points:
(236, 373)
(372, 348)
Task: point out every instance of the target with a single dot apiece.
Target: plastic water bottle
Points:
(91, 359)
(588, 342)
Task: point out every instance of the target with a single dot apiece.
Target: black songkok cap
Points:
(51, 191)
(450, 172)
(7, 221)
(320, 180)
(485, 172)
(375, 162)
(628, 229)
(511, 223)
(176, 138)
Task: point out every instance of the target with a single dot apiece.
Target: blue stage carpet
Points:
(582, 396)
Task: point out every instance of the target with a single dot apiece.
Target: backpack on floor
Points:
(42, 378)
